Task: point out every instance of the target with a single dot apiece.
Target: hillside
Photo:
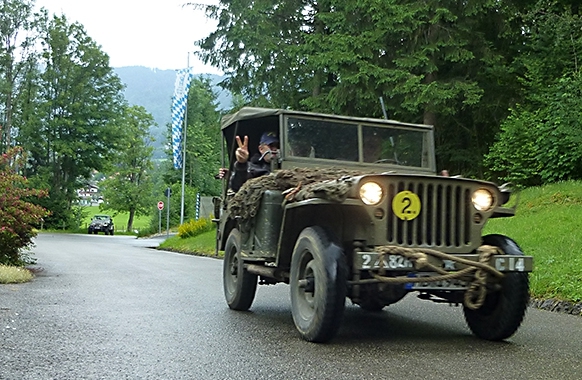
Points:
(153, 90)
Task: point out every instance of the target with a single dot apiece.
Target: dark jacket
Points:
(254, 168)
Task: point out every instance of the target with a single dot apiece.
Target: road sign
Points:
(160, 205)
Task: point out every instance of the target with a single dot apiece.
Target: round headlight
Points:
(371, 193)
(482, 199)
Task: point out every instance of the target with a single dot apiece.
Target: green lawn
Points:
(119, 220)
(548, 226)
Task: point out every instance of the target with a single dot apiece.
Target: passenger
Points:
(258, 165)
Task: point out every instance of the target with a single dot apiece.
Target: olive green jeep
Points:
(354, 208)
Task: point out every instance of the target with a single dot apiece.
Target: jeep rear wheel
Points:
(240, 286)
(502, 312)
(318, 284)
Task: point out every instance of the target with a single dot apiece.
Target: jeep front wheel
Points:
(503, 310)
(240, 286)
(318, 282)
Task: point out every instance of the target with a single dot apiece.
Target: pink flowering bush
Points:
(17, 214)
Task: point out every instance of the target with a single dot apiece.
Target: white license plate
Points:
(394, 262)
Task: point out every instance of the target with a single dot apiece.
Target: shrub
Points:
(195, 227)
(17, 214)
(542, 143)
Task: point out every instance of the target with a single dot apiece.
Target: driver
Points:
(258, 165)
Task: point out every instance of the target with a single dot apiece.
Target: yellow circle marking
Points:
(406, 205)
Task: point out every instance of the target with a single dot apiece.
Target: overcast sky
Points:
(153, 33)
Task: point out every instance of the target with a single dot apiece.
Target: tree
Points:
(202, 139)
(433, 62)
(203, 143)
(257, 45)
(16, 60)
(78, 99)
(129, 187)
(541, 140)
(18, 215)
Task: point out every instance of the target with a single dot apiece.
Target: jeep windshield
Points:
(358, 141)
(322, 140)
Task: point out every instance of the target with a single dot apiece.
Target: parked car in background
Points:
(101, 223)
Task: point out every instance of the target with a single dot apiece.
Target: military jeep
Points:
(354, 208)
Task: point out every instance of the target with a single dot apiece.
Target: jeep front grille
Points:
(444, 220)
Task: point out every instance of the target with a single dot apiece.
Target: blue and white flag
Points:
(179, 102)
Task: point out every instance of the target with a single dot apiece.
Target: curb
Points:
(557, 306)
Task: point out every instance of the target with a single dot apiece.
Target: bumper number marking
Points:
(389, 262)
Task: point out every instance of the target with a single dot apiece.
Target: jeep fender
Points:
(345, 221)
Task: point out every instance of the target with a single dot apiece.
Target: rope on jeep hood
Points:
(477, 291)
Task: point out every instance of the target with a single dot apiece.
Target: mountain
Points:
(153, 90)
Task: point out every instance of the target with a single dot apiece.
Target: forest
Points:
(499, 79)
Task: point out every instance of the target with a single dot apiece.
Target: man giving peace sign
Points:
(259, 164)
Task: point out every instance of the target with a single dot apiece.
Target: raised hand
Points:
(222, 172)
(242, 152)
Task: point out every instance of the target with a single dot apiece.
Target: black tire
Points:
(503, 310)
(89, 231)
(318, 285)
(240, 286)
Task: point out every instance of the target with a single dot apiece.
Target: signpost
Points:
(160, 208)
(168, 192)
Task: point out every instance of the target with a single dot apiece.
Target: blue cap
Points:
(269, 138)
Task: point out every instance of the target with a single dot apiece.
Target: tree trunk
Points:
(429, 117)
(130, 220)
(8, 106)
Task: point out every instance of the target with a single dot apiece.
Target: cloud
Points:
(152, 33)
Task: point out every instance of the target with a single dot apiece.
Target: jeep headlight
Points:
(371, 193)
(482, 199)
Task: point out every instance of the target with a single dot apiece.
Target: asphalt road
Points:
(109, 307)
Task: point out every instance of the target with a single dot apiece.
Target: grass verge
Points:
(202, 245)
(14, 275)
(548, 227)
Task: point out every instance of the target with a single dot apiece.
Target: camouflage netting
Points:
(298, 184)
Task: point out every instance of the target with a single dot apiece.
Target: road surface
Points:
(109, 307)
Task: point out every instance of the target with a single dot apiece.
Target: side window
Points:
(323, 139)
(397, 146)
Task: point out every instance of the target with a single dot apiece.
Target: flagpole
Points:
(184, 152)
